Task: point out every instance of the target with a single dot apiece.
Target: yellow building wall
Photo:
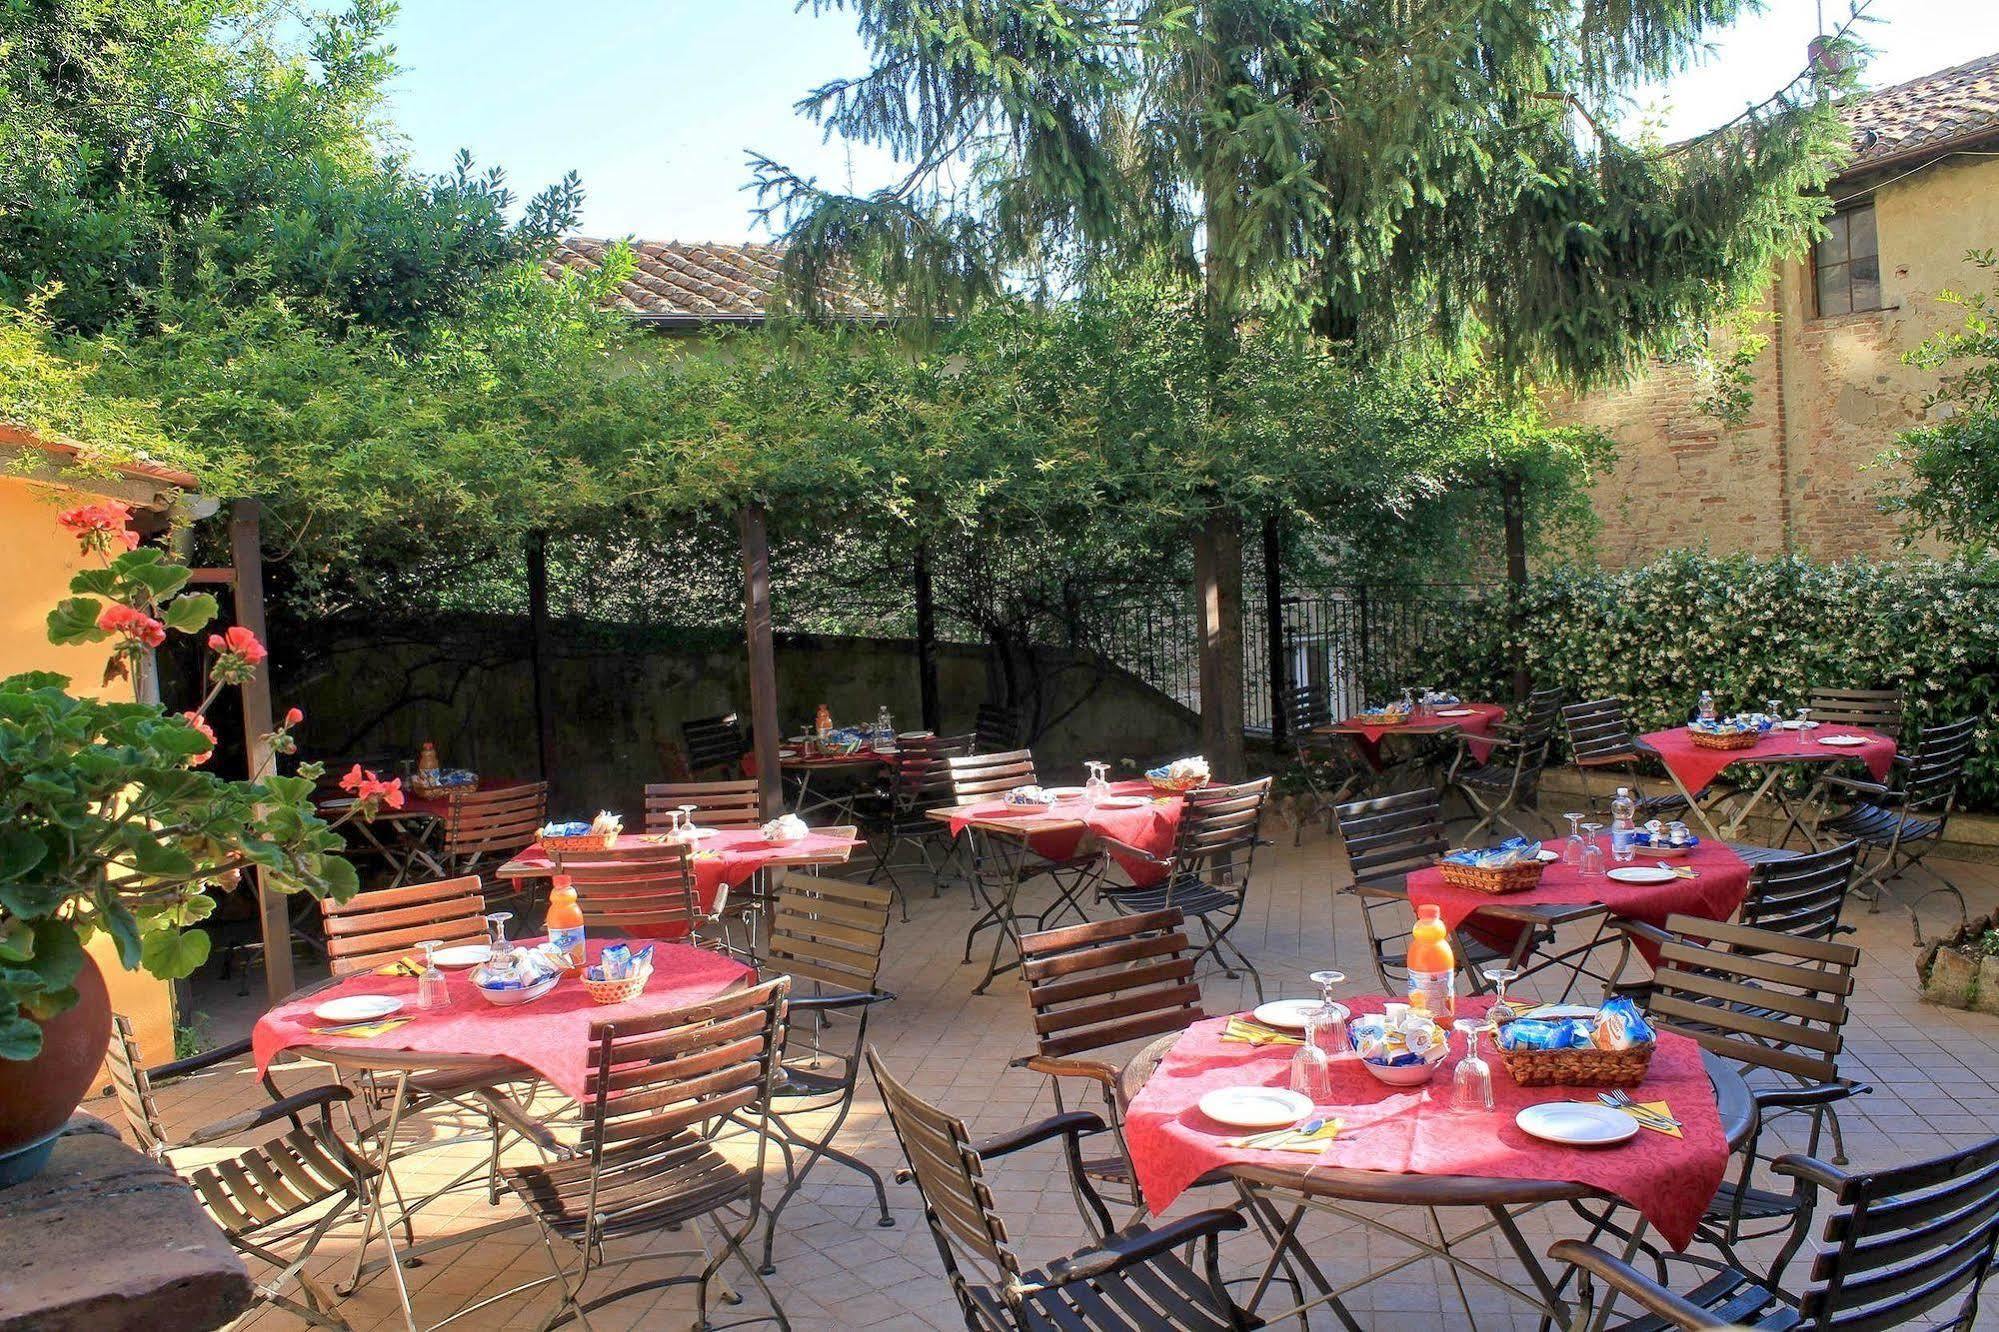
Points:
(39, 559)
(1830, 395)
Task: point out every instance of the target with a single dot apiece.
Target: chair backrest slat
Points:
(374, 928)
(134, 1088)
(1757, 997)
(712, 742)
(730, 804)
(997, 730)
(504, 819)
(1802, 896)
(976, 777)
(1876, 709)
(1218, 826)
(647, 887)
(829, 930)
(1929, 786)
(1599, 732)
(1105, 982)
(949, 1174)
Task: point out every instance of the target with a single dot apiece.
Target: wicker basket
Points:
(1589, 1067)
(1164, 786)
(1724, 739)
(616, 991)
(1505, 879)
(564, 846)
(424, 790)
(1381, 718)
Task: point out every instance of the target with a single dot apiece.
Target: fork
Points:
(1621, 1100)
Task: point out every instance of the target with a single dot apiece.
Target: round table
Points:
(1339, 1191)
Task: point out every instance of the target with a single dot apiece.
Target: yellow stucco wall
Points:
(1830, 395)
(39, 559)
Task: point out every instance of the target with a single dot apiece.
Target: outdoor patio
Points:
(1935, 1073)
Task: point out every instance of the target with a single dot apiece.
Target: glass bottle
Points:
(1707, 709)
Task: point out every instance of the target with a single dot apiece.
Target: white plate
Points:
(1843, 741)
(1641, 874)
(461, 955)
(1286, 1014)
(1577, 1123)
(1258, 1107)
(1065, 792)
(360, 1007)
(1458, 712)
(1123, 802)
(1547, 857)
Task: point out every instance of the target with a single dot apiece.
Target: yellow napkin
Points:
(372, 1030)
(1657, 1108)
(402, 966)
(1291, 1140)
(1255, 1033)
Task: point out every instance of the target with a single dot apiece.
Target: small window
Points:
(1846, 265)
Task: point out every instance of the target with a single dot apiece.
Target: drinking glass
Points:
(1501, 1011)
(1311, 1071)
(687, 811)
(1572, 850)
(1326, 1025)
(431, 990)
(499, 963)
(1804, 718)
(1592, 859)
(1774, 710)
(1471, 1086)
(675, 833)
(1098, 786)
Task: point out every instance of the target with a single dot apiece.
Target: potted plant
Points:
(108, 821)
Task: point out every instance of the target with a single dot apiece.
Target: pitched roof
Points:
(1925, 116)
(79, 456)
(684, 284)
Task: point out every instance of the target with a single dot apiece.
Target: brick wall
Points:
(1799, 473)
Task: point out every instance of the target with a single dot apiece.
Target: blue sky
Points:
(656, 103)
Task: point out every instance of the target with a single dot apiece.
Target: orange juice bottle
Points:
(565, 921)
(1432, 967)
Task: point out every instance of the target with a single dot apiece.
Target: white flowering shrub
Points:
(1751, 630)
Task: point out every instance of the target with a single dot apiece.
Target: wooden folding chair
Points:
(644, 1165)
(1509, 781)
(997, 730)
(643, 891)
(1601, 739)
(1130, 1281)
(722, 804)
(714, 745)
(1875, 709)
(919, 781)
(275, 1198)
(372, 929)
(1102, 984)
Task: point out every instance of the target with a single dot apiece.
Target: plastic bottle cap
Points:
(1429, 913)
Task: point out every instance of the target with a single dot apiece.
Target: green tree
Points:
(1374, 170)
(1950, 483)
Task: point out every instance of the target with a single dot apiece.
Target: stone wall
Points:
(378, 691)
(1830, 394)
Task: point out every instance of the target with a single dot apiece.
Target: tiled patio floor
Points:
(1936, 1075)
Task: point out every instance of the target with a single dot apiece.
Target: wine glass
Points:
(1098, 786)
(431, 990)
(1471, 1086)
(1572, 850)
(1326, 1025)
(687, 812)
(499, 963)
(1592, 859)
(1774, 710)
(1311, 1070)
(675, 833)
(1804, 719)
(1501, 1011)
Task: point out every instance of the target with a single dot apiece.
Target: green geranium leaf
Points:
(20, 851)
(152, 856)
(58, 953)
(31, 899)
(191, 613)
(174, 954)
(74, 620)
(19, 1038)
(162, 580)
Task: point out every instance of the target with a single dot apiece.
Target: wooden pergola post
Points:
(1218, 612)
(765, 732)
(926, 638)
(246, 559)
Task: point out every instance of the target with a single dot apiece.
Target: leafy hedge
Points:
(1752, 629)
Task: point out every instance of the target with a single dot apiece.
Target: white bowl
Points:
(516, 995)
(1403, 1075)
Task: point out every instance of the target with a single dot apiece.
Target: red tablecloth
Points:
(1696, 765)
(1415, 1131)
(1484, 716)
(550, 1035)
(1150, 827)
(726, 858)
(1716, 894)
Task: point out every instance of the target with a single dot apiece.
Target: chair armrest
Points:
(1126, 848)
(287, 1108)
(1071, 1124)
(1638, 929)
(1634, 1285)
(196, 1063)
(1093, 1069)
(844, 999)
(1873, 790)
(1126, 1250)
(1805, 1098)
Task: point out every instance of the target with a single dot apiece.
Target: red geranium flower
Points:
(371, 791)
(293, 717)
(99, 527)
(133, 623)
(238, 642)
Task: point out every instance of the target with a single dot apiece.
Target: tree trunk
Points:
(1273, 616)
(926, 639)
(540, 650)
(1218, 613)
(1514, 504)
(765, 731)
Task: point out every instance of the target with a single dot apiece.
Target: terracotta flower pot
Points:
(37, 1096)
